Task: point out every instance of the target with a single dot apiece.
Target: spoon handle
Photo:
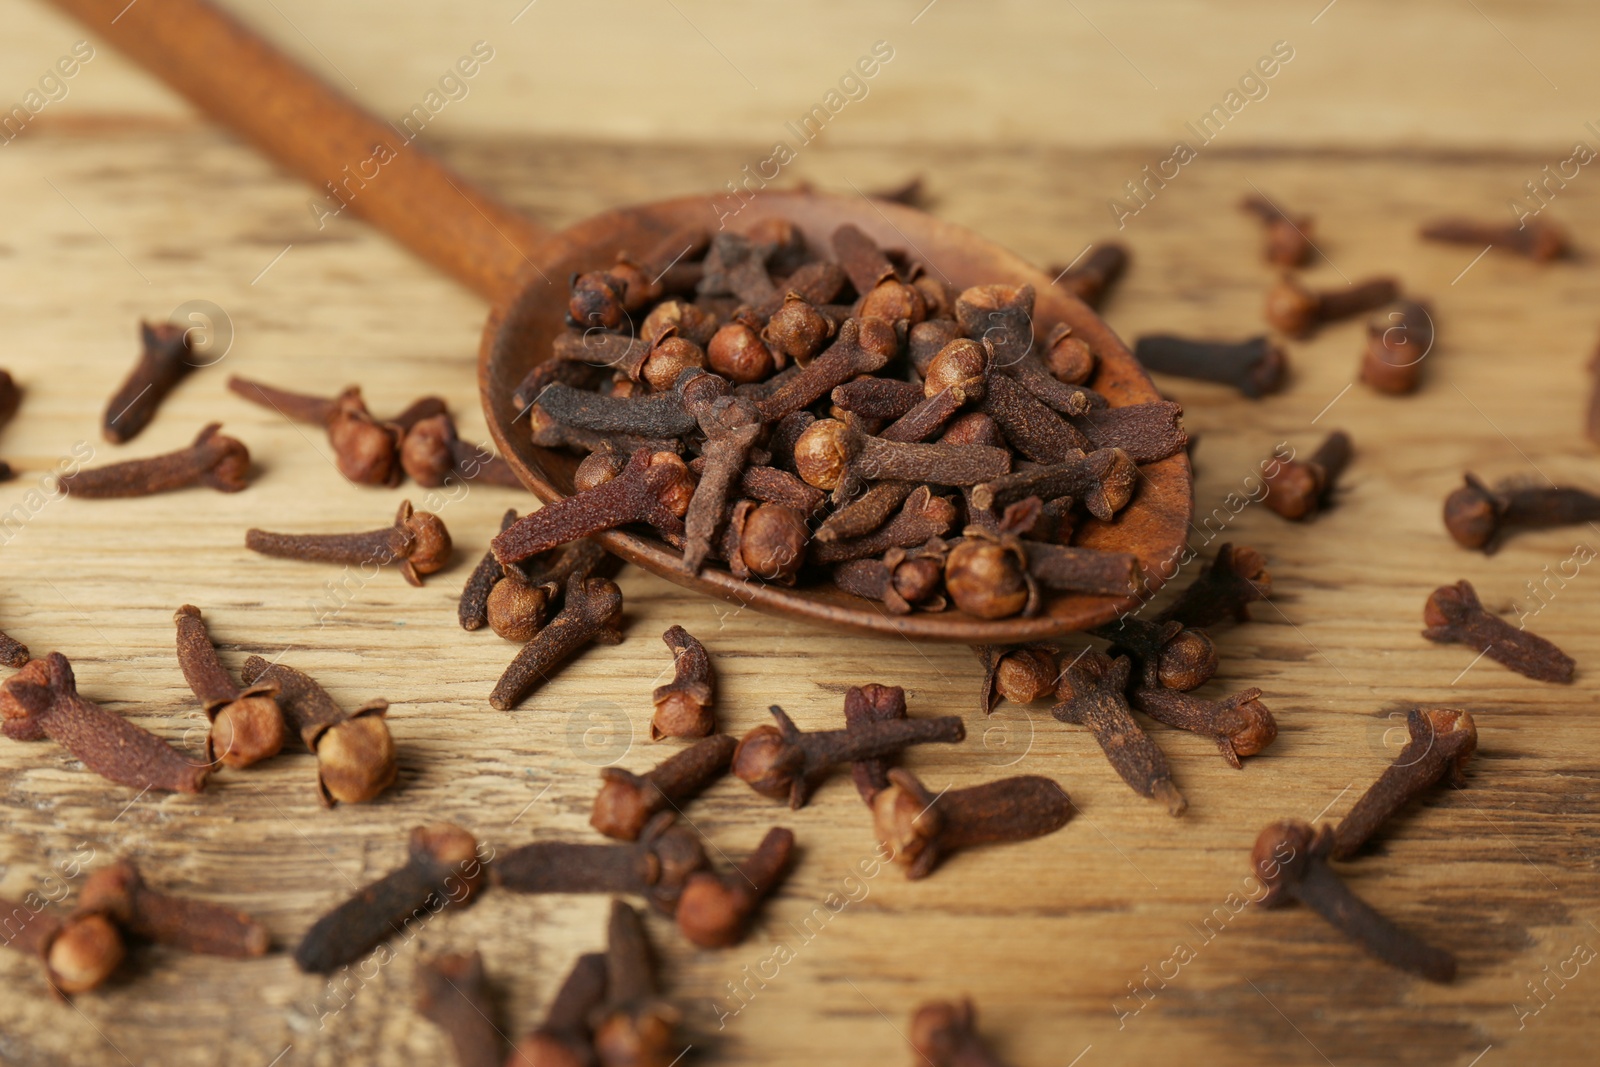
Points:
(351, 157)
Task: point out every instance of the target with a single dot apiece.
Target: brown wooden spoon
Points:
(299, 121)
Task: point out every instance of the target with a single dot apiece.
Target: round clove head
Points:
(680, 490)
(892, 301)
(941, 1029)
(773, 542)
(738, 354)
(517, 609)
(1295, 490)
(230, 472)
(670, 357)
(973, 428)
(597, 468)
(918, 579)
(1281, 854)
(712, 914)
(1292, 308)
(644, 1036)
(1251, 728)
(596, 301)
(985, 579)
(766, 762)
(958, 361)
(822, 453)
(85, 952)
(634, 283)
(1472, 515)
(1069, 358)
(356, 759)
(363, 449)
(430, 543)
(1187, 661)
(1025, 675)
(624, 804)
(798, 330)
(247, 730)
(425, 452)
(691, 322)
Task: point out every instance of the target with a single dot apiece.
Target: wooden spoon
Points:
(370, 166)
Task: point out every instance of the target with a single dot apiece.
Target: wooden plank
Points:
(1047, 937)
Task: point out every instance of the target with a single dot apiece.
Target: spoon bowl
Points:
(521, 331)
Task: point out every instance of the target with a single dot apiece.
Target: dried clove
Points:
(878, 398)
(765, 541)
(246, 724)
(1255, 367)
(1080, 570)
(355, 753)
(565, 1038)
(418, 541)
(653, 488)
(1091, 277)
(1104, 480)
(1455, 615)
(836, 455)
(865, 513)
(627, 801)
(944, 1034)
(546, 432)
(1397, 343)
(164, 359)
(1478, 516)
(1020, 675)
(863, 346)
(987, 572)
(868, 704)
(41, 700)
(1298, 490)
(715, 909)
(1165, 653)
(453, 994)
(683, 705)
(1439, 743)
(779, 761)
(119, 892)
(634, 1027)
(1147, 432)
(1224, 591)
(731, 425)
(591, 612)
(442, 868)
(656, 866)
(1539, 241)
(79, 952)
(1240, 724)
(655, 415)
(473, 610)
(922, 516)
(431, 453)
(1288, 236)
(1091, 694)
(1029, 424)
(1069, 358)
(922, 828)
(213, 460)
(903, 580)
(366, 451)
(1291, 860)
(516, 608)
(1298, 312)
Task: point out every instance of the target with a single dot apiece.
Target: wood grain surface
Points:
(1051, 937)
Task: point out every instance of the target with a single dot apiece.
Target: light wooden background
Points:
(108, 221)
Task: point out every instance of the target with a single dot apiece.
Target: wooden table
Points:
(1113, 941)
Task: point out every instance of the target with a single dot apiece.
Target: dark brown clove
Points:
(715, 910)
(1291, 860)
(1029, 424)
(560, 368)
(366, 451)
(1240, 724)
(1104, 480)
(1180, 658)
(1455, 615)
(1081, 570)
(627, 801)
(782, 761)
(517, 608)
(1147, 432)
(442, 868)
(418, 541)
(1094, 275)
(1020, 675)
(1090, 694)
(731, 425)
(769, 485)
(865, 513)
(922, 516)
(922, 828)
(635, 1027)
(1224, 591)
(987, 571)
(868, 704)
(1539, 241)
(653, 488)
(41, 700)
(683, 705)
(1255, 367)
(1069, 357)
(1288, 237)
(1397, 343)
(355, 752)
(565, 1038)
(765, 541)
(591, 612)
(164, 359)
(246, 724)
(863, 346)
(432, 453)
(877, 398)
(655, 415)
(79, 952)
(656, 866)
(1477, 516)
(473, 610)
(838, 456)
(944, 1034)
(119, 892)
(1439, 743)
(901, 580)
(453, 994)
(933, 414)
(1298, 312)
(1299, 489)
(213, 460)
